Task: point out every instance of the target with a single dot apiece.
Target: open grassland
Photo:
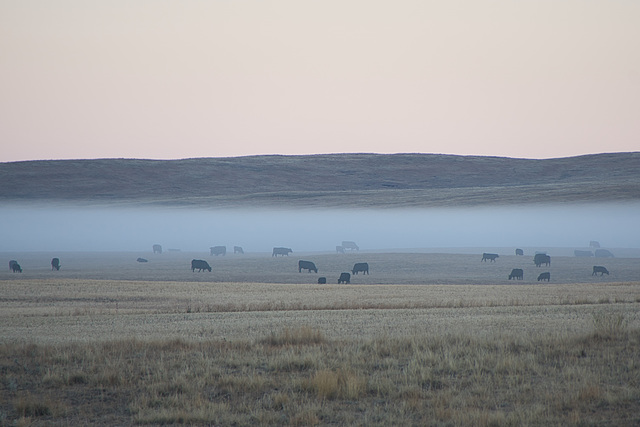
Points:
(83, 346)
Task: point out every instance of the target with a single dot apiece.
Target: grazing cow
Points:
(584, 254)
(599, 269)
(491, 257)
(350, 245)
(339, 249)
(218, 250)
(281, 251)
(142, 260)
(15, 267)
(344, 278)
(516, 274)
(55, 264)
(544, 276)
(238, 250)
(322, 280)
(594, 244)
(306, 265)
(519, 252)
(603, 253)
(360, 266)
(157, 249)
(540, 259)
(200, 265)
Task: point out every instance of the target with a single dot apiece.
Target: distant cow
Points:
(322, 280)
(306, 265)
(360, 266)
(519, 252)
(281, 251)
(603, 253)
(15, 267)
(157, 249)
(344, 278)
(594, 244)
(540, 259)
(218, 250)
(339, 249)
(491, 257)
(584, 254)
(142, 260)
(350, 245)
(599, 269)
(516, 274)
(544, 276)
(55, 264)
(238, 250)
(200, 265)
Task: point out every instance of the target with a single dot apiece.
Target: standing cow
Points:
(200, 265)
(281, 251)
(599, 269)
(360, 266)
(540, 259)
(544, 276)
(55, 264)
(346, 244)
(157, 249)
(491, 257)
(218, 250)
(344, 278)
(516, 274)
(339, 249)
(306, 265)
(238, 250)
(519, 252)
(14, 266)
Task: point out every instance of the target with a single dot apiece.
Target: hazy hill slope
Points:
(349, 180)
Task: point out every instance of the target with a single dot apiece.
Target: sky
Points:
(169, 79)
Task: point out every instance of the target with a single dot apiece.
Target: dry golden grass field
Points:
(425, 339)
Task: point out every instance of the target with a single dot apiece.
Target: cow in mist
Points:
(599, 269)
(157, 249)
(55, 264)
(516, 274)
(540, 259)
(519, 252)
(344, 278)
(346, 244)
(603, 253)
(544, 276)
(218, 250)
(306, 265)
(14, 266)
(281, 251)
(238, 250)
(200, 265)
(490, 257)
(582, 254)
(360, 266)
(322, 280)
(142, 260)
(594, 244)
(339, 249)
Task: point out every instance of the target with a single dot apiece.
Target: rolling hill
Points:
(334, 180)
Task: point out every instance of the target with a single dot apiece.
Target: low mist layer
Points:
(31, 228)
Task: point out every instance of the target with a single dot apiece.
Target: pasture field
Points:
(425, 339)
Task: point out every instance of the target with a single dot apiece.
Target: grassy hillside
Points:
(348, 180)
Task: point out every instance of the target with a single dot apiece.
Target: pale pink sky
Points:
(175, 79)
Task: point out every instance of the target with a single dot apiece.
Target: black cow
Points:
(540, 259)
(238, 250)
(55, 264)
(15, 267)
(491, 257)
(157, 249)
(603, 253)
(519, 252)
(344, 278)
(585, 254)
(599, 269)
(360, 266)
(218, 250)
(544, 276)
(142, 260)
(339, 249)
(281, 251)
(350, 245)
(516, 274)
(322, 280)
(200, 265)
(306, 265)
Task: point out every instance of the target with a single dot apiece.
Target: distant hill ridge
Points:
(327, 180)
